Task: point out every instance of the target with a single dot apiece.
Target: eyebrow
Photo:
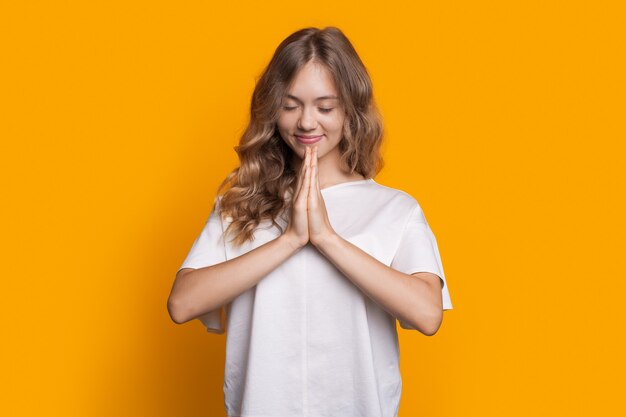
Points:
(317, 99)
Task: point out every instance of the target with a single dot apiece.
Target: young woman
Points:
(305, 261)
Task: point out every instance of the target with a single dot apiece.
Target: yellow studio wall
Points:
(504, 119)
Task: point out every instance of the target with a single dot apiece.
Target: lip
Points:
(308, 139)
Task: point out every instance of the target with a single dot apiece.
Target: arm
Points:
(415, 299)
(198, 291)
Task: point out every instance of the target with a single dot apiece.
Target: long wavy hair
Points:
(262, 186)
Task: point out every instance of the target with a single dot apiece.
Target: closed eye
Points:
(321, 109)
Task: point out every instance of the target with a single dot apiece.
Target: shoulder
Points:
(217, 211)
(217, 201)
(399, 199)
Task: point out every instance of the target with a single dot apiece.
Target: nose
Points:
(306, 120)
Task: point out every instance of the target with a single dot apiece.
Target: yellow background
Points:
(505, 119)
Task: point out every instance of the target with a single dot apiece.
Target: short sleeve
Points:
(209, 249)
(418, 252)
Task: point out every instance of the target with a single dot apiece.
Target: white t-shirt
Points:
(305, 341)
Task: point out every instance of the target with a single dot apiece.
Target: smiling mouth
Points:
(308, 139)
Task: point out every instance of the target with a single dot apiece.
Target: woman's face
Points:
(311, 114)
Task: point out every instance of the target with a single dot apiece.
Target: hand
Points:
(320, 228)
(309, 218)
(298, 229)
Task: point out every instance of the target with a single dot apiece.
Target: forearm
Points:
(405, 297)
(196, 292)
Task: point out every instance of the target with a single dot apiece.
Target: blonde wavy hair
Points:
(261, 187)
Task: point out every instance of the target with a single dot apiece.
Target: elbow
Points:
(435, 324)
(431, 330)
(176, 311)
(429, 326)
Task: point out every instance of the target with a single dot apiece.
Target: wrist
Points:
(292, 241)
(326, 241)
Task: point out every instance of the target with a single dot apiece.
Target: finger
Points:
(301, 173)
(305, 174)
(306, 185)
(316, 173)
(312, 189)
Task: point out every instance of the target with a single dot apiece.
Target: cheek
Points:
(285, 122)
(280, 123)
(336, 124)
(283, 126)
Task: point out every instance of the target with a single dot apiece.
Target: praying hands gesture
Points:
(309, 219)
(415, 299)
